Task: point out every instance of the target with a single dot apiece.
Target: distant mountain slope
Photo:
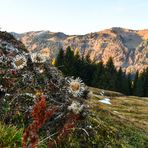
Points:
(127, 47)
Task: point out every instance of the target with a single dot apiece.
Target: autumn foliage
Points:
(39, 114)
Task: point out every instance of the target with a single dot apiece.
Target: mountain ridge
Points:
(127, 47)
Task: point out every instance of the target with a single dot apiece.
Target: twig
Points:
(49, 137)
(83, 130)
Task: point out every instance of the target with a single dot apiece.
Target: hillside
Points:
(9, 45)
(123, 117)
(119, 122)
(129, 48)
(122, 123)
(39, 107)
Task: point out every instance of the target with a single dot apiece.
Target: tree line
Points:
(104, 76)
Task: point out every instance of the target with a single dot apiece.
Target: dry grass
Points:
(128, 108)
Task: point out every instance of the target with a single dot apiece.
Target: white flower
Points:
(39, 70)
(76, 87)
(30, 95)
(90, 94)
(37, 57)
(75, 107)
(19, 62)
(2, 89)
(89, 126)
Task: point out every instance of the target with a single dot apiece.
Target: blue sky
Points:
(72, 16)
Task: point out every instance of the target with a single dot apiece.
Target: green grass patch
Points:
(10, 136)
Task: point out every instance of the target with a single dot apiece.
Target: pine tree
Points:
(59, 62)
(69, 62)
(110, 75)
(101, 76)
(141, 89)
(135, 82)
(87, 70)
(77, 64)
(140, 85)
(119, 80)
(129, 85)
(145, 86)
(96, 80)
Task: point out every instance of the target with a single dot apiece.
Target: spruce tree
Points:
(145, 85)
(119, 80)
(69, 62)
(60, 60)
(129, 85)
(87, 70)
(140, 85)
(110, 75)
(97, 76)
(77, 65)
(135, 83)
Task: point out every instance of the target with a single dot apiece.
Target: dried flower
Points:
(76, 86)
(2, 88)
(75, 107)
(39, 70)
(37, 58)
(19, 62)
(30, 95)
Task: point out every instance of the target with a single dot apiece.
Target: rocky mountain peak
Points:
(119, 43)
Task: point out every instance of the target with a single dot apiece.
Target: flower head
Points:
(75, 107)
(2, 88)
(39, 70)
(19, 62)
(76, 87)
(37, 58)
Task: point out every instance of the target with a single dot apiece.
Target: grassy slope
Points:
(132, 109)
(127, 115)
(123, 124)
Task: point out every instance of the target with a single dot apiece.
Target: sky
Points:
(72, 16)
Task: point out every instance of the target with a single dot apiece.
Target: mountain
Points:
(38, 103)
(129, 48)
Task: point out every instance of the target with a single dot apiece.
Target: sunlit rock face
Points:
(127, 47)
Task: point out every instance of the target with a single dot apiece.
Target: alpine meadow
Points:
(74, 74)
